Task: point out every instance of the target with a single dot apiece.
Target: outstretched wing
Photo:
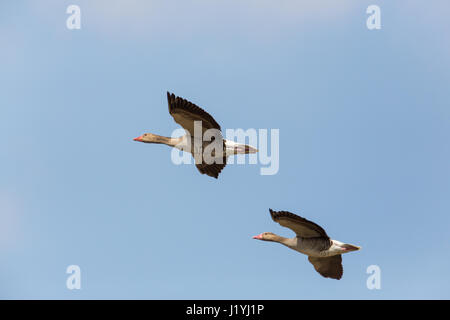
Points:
(329, 267)
(302, 227)
(185, 113)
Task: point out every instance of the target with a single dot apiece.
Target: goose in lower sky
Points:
(192, 117)
(323, 252)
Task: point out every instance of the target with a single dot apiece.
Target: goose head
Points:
(147, 137)
(267, 236)
(154, 138)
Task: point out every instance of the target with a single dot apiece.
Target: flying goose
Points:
(186, 114)
(323, 252)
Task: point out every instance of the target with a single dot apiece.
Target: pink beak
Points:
(138, 138)
(259, 237)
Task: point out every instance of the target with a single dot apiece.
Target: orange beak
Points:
(138, 138)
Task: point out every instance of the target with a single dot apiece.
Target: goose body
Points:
(198, 124)
(312, 240)
(314, 247)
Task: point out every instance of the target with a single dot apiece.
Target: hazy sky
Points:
(364, 122)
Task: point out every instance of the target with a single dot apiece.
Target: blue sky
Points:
(364, 122)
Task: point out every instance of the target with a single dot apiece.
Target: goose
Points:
(187, 114)
(311, 239)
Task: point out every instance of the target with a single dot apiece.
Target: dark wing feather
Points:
(212, 170)
(302, 227)
(329, 267)
(185, 113)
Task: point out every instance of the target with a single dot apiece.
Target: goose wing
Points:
(185, 113)
(301, 226)
(329, 267)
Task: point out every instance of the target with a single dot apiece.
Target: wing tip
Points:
(272, 214)
(332, 277)
(169, 100)
(336, 277)
(212, 172)
(176, 102)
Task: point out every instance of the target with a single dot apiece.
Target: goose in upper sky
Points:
(203, 138)
(323, 252)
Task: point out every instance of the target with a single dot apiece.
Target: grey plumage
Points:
(311, 239)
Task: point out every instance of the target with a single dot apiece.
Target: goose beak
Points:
(259, 237)
(138, 138)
